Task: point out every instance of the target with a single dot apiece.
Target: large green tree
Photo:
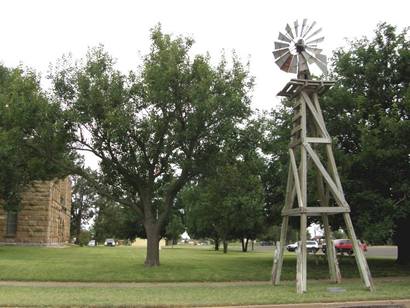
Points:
(34, 138)
(368, 113)
(114, 220)
(83, 206)
(227, 205)
(227, 201)
(153, 129)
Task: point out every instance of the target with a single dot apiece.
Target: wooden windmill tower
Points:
(310, 151)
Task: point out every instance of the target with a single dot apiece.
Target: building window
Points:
(11, 226)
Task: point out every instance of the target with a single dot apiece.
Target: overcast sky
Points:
(36, 33)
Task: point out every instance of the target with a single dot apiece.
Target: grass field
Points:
(200, 295)
(125, 264)
(180, 268)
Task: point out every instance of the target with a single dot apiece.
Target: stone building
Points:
(44, 218)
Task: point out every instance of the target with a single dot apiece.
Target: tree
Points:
(227, 205)
(153, 129)
(113, 220)
(34, 138)
(174, 228)
(199, 220)
(226, 202)
(82, 206)
(368, 113)
(275, 128)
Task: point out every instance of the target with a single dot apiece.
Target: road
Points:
(372, 251)
(382, 251)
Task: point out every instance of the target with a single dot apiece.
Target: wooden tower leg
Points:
(334, 270)
(360, 258)
(301, 285)
(278, 258)
(302, 282)
(359, 255)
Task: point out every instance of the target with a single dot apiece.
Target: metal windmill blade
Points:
(303, 26)
(289, 31)
(297, 49)
(284, 38)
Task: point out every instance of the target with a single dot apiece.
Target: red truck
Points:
(345, 246)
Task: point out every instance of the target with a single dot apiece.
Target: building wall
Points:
(59, 212)
(45, 215)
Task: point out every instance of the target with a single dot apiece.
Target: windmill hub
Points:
(300, 46)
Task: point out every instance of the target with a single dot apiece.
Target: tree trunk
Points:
(401, 239)
(216, 241)
(253, 244)
(152, 258)
(225, 242)
(244, 243)
(78, 226)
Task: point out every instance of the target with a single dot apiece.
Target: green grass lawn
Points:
(125, 264)
(200, 295)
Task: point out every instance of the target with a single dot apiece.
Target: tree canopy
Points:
(226, 203)
(34, 137)
(368, 113)
(155, 128)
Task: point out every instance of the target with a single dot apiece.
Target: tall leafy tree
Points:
(368, 113)
(113, 220)
(82, 206)
(34, 138)
(155, 128)
(227, 202)
(275, 128)
(174, 228)
(227, 205)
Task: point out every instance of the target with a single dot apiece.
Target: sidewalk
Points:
(400, 303)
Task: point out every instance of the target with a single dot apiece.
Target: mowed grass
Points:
(176, 295)
(125, 264)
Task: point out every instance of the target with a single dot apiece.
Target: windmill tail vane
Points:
(297, 48)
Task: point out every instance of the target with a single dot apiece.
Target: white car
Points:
(311, 246)
(109, 242)
(92, 243)
(292, 247)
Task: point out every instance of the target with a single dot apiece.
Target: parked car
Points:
(92, 243)
(292, 247)
(311, 246)
(109, 242)
(345, 246)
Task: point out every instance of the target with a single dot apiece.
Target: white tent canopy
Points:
(185, 236)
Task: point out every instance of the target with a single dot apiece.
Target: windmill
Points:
(310, 151)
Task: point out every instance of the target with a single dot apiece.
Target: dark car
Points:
(265, 243)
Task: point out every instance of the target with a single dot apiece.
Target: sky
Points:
(37, 33)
